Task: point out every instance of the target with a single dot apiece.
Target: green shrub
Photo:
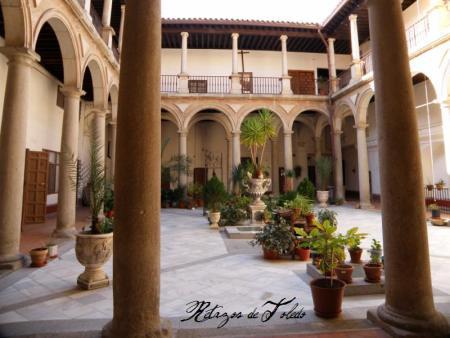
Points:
(306, 188)
(328, 215)
(214, 194)
(235, 210)
(277, 237)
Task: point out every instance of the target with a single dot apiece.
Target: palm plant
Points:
(255, 132)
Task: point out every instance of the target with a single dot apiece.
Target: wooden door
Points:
(246, 82)
(200, 176)
(281, 180)
(35, 187)
(303, 82)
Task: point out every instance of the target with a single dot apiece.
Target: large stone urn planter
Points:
(257, 187)
(93, 251)
(322, 197)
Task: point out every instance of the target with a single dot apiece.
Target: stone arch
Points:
(321, 123)
(70, 50)
(219, 118)
(279, 111)
(296, 113)
(192, 110)
(17, 21)
(172, 113)
(114, 95)
(94, 64)
(362, 105)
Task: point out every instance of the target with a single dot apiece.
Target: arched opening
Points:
(48, 48)
(372, 150)
(2, 27)
(311, 139)
(209, 147)
(169, 147)
(431, 132)
(350, 158)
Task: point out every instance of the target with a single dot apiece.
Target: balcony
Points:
(256, 85)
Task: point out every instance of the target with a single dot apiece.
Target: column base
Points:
(286, 86)
(165, 331)
(236, 87)
(15, 262)
(365, 206)
(356, 72)
(398, 325)
(68, 233)
(183, 83)
(257, 211)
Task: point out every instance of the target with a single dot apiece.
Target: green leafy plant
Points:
(109, 198)
(255, 132)
(329, 245)
(235, 210)
(306, 188)
(176, 165)
(214, 194)
(433, 207)
(324, 167)
(289, 173)
(195, 190)
(375, 252)
(328, 215)
(305, 240)
(288, 196)
(276, 236)
(239, 175)
(353, 238)
(301, 203)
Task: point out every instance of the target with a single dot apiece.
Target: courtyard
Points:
(202, 264)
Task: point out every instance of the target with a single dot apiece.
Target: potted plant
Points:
(235, 211)
(327, 215)
(39, 257)
(276, 239)
(93, 247)
(300, 206)
(435, 211)
(430, 187)
(303, 248)
(440, 185)
(255, 132)
(344, 272)
(289, 180)
(214, 194)
(324, 167)
(327, 293)
(52, 250)
(353, 243)
(373, 268)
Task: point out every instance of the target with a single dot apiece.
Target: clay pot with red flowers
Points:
(353, 239)
(374, 267)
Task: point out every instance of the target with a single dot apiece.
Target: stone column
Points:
(332, 58)
(356, 58)
(183, 153)
(288, 150)
(338, 174)
(317, 155)
(409, 297)
(236, 87)
(13, 138)
(67, 194)
(236, 148)
(113, 147)
(229, 163)
(107, 30)
(363, 167)
(445, 111)
(285, 78)
(183, 76)
(136, 287)
(274, 164)
(122, 20)
(99, 125)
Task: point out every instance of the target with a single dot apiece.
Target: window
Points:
(198, 86)
(53, 172)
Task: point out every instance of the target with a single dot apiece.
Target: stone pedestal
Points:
(286, 85)
(257, 187)
(236, 87)
(183, 84)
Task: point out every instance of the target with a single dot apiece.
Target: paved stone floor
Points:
(199, 264)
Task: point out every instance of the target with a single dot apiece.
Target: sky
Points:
(314, 11)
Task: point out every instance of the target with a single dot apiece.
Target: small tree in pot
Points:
(373, 268)
(324, 167)
(214, 195)
(327, 293)
(353, 243)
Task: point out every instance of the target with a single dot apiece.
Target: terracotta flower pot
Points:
(38, 257)
(303, 254)
(355, 255)
(92, 252)
(309, 219)
(344, 273)
(270, 254)
(327, 296)
(373, 272)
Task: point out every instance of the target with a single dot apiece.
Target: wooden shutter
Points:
(35, 187)
(302, 82)
(246, 82)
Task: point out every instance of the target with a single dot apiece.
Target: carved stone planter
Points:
(322, 197)
(214, 217)
(257, 187)
(93, 251)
